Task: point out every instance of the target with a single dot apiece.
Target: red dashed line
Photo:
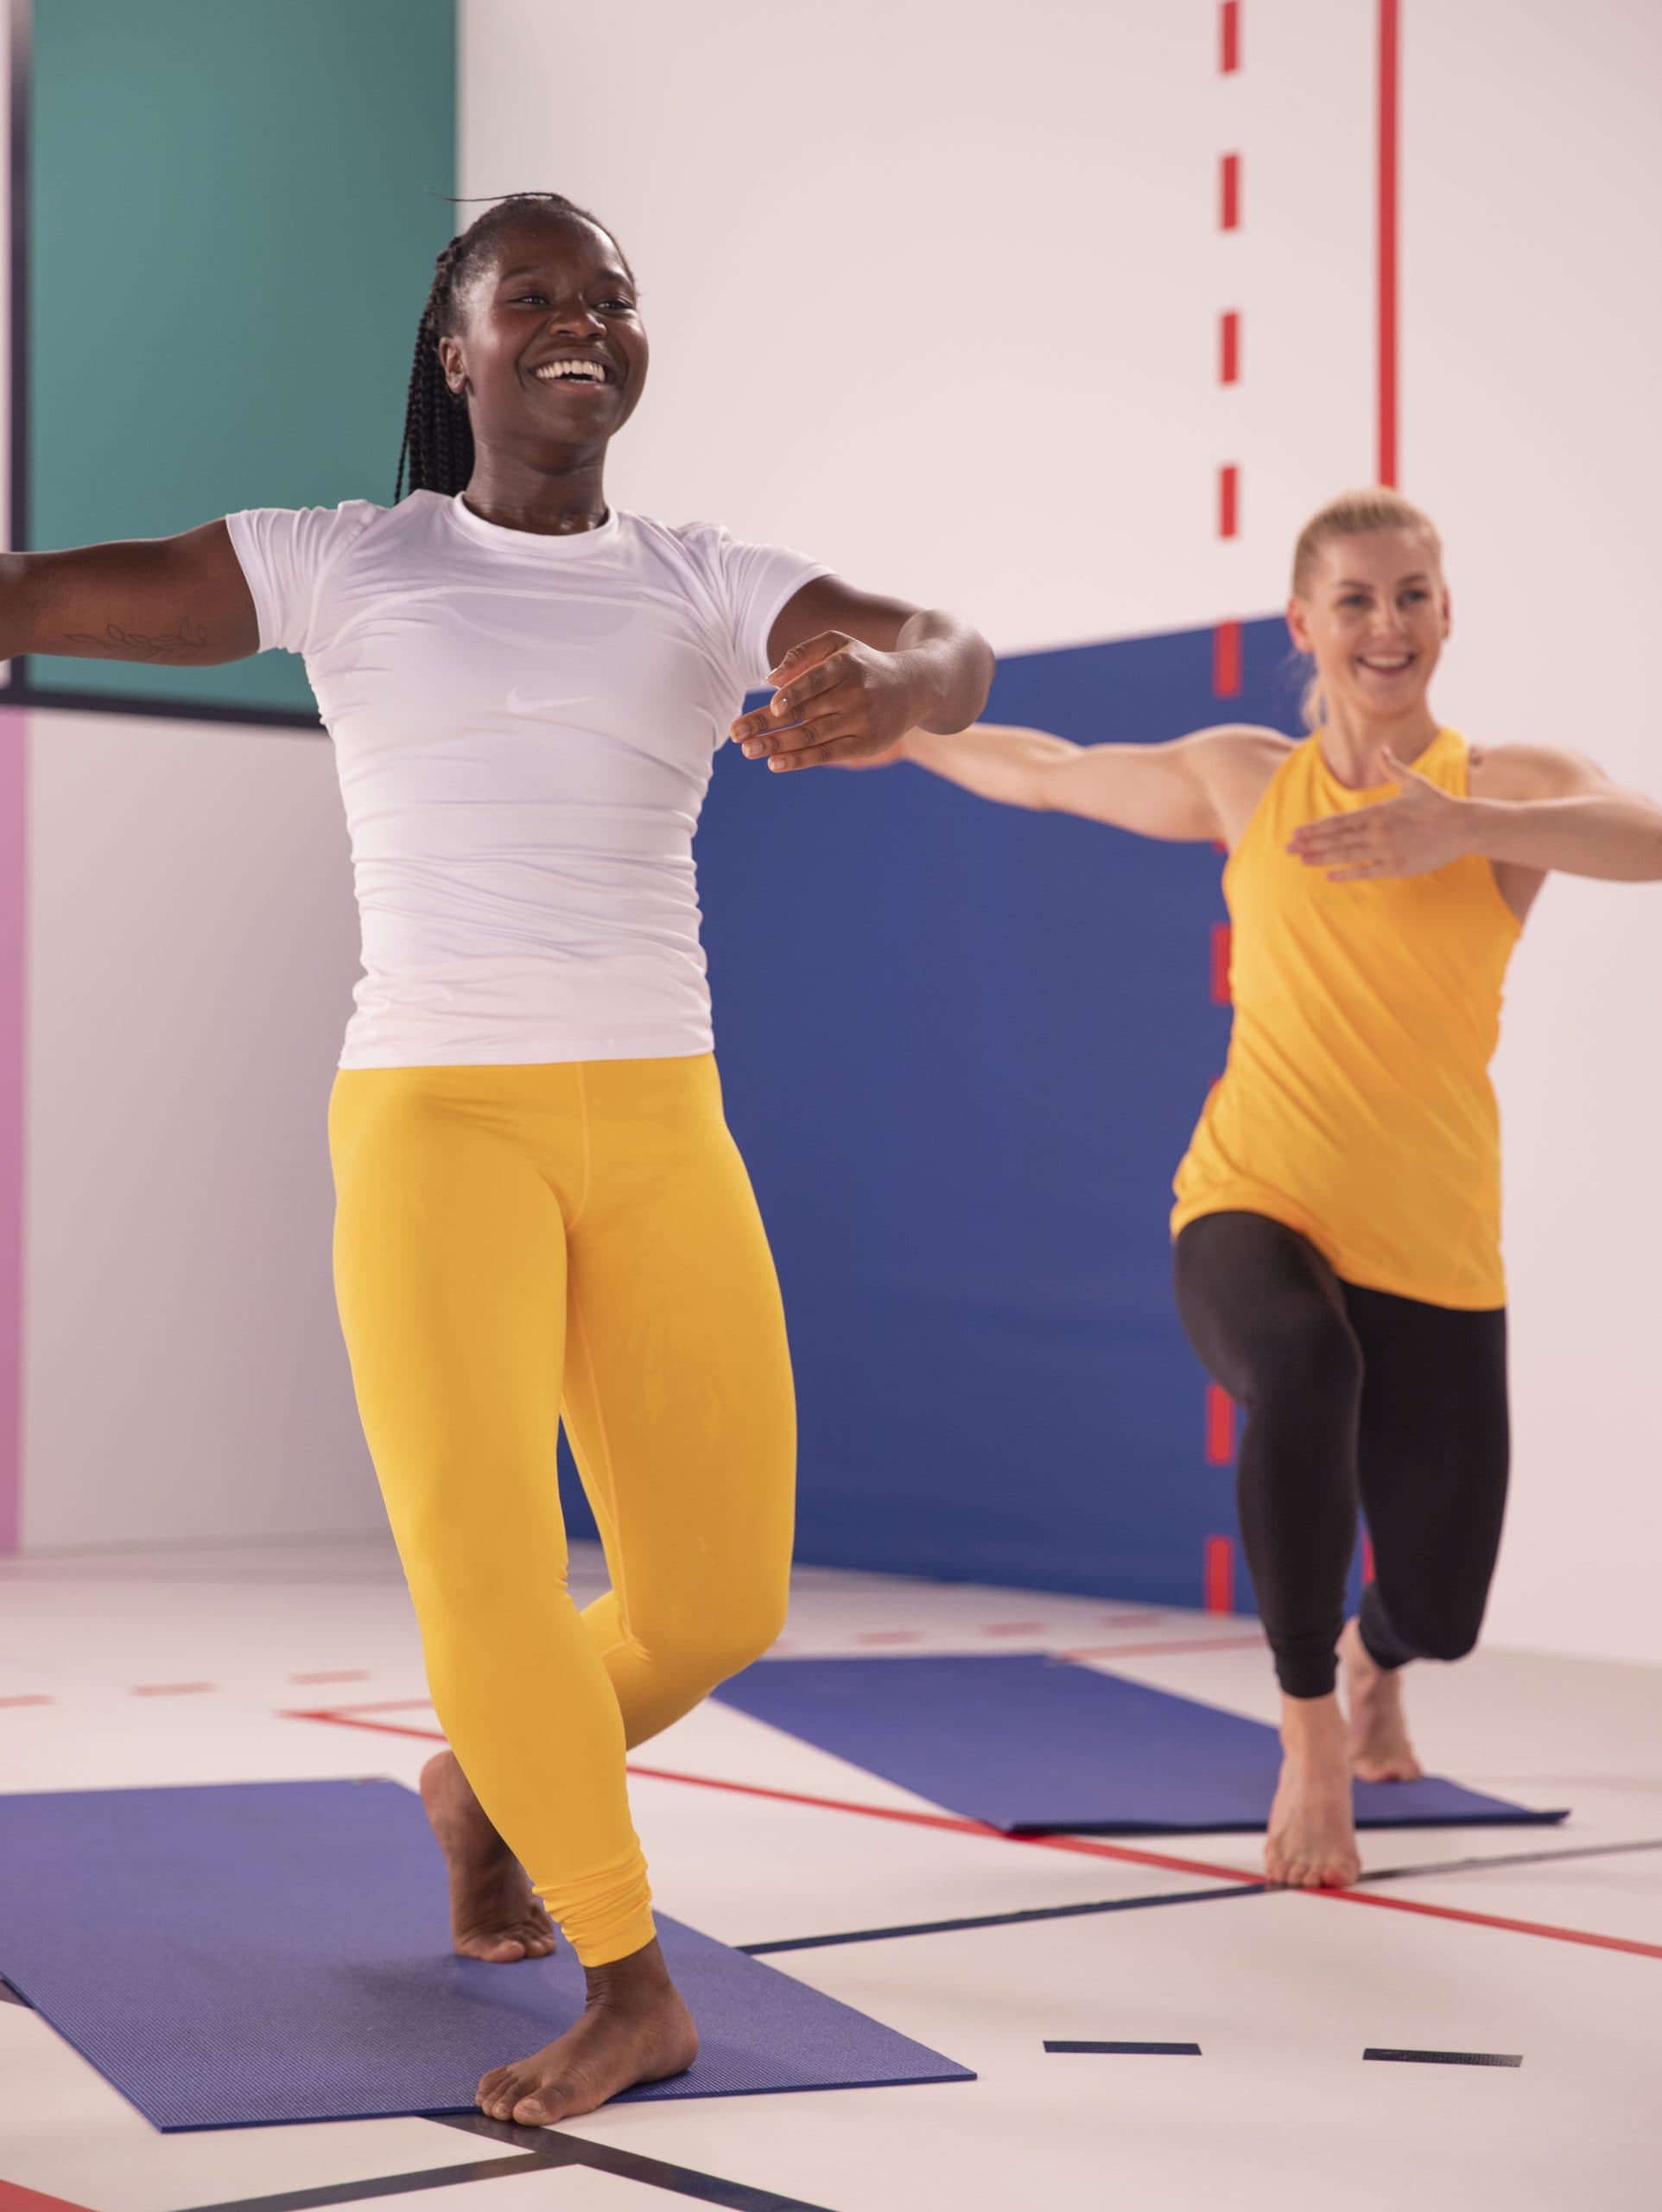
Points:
(1229, 347)
(1219, 1575)
(341, 1674)
(1220, 1426)
(1222, 946)
(1229, 500)
(1225, 665)
(1229, 36)
(171, 1690)
(891, 1635)
(1229, 192)
(1014, 1628)
(1132, 1620)
(34, 1697)
(1368, 1557)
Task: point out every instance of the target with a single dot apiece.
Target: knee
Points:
(1444, 1632)
(1306, 1362)
(708, 1648)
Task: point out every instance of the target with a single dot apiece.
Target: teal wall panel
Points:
(233, 208)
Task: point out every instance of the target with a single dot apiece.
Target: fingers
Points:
(786, 708)
(811, 650)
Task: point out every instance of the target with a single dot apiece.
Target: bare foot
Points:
(1379, 1749)
(1311, 1844)
(494, 1913)
(635, 2029)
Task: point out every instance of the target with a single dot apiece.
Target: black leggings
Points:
(1345, 1391)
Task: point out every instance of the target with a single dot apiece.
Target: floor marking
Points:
(1511, 1858)
(1133, 2050)
(356, 2192)
(631, 2165)
(889, 1635)
(14, 2198)
(998, 1919)
(342, 1675)
(1163, 1650)
(171, 1689)
(36, 1697)
(1015, 1628)
(1451, 2057)
(1082, 1847)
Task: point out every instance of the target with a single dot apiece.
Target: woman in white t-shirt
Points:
(539, 1202)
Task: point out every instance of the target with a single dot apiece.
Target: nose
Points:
(573, 318)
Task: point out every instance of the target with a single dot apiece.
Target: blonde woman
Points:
(1338, 1219)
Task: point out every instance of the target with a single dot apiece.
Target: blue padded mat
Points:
(280, 1951)
(1031, 1744)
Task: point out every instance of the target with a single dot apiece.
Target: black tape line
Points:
(1449, 2057)
(1133, 2049)
(1511, 1858)
(356, 2192)
(631, 2165)
(1000, 1919)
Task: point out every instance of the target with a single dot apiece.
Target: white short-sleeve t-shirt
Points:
(524, 728)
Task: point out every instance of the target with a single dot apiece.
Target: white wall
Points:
(193, 947)
(933, 292)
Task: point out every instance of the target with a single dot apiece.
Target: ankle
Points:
(1312, 1729)
(643, 1974)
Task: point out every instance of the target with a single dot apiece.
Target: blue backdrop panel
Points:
(1032, 1745)
(280, 1952)
(963, 1048)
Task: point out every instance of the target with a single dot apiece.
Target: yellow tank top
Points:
(1355, 1105)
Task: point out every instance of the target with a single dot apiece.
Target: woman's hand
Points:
(1423, 829)
(840, 704)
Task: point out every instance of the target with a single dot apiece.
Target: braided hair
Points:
(438, 447)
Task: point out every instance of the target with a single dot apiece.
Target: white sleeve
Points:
(285, 553)
(758, 580)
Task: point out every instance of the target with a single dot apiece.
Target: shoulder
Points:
(1239, 751)
(1526, 772)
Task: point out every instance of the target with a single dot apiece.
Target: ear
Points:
(1298, 626)
(450, 360)
(1448, 611)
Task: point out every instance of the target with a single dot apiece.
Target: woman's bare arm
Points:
(180, 600)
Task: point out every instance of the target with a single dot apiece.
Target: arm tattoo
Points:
(117, 644)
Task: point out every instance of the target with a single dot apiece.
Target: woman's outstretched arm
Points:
(1179, 791)
(182, 600)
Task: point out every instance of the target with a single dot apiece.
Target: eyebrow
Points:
(540, 269)
(1354, 583)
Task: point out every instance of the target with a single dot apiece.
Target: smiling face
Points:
(547, 347)
(1373, 611)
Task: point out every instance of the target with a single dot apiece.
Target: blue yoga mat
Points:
(281, 1951)
(1031, 1744)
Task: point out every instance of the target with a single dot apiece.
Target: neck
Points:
(1352, 742)
(552, 494)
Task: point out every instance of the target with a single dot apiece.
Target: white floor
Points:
(200, 1666)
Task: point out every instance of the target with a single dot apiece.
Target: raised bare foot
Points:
(1311, 1844)
(1379, 1749)
(635, 2029)
(494, 1913)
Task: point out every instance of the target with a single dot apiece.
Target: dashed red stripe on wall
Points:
(1229, 347)
(1219, 1575)
(1220, 1426)
(1222, 946)
(1390, 29)
(1229, 36)
(1225, 660)
(1229, 192)
(1228, 500)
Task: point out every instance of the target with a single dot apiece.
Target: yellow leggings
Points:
(516, 1243)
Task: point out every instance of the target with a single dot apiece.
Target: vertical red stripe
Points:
(1220, 1575)
(1390, 29)
(1368, 1557)
(1230, 347)
(1230, 501)
(1229, 192)
(1225, 660)
(14, 918)
(1229, 37)
(1220, 1426)
(1222, 943)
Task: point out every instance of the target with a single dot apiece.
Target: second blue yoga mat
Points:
(281, 1951)
(1031, 1744)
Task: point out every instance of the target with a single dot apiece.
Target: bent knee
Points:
(710, 1649)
